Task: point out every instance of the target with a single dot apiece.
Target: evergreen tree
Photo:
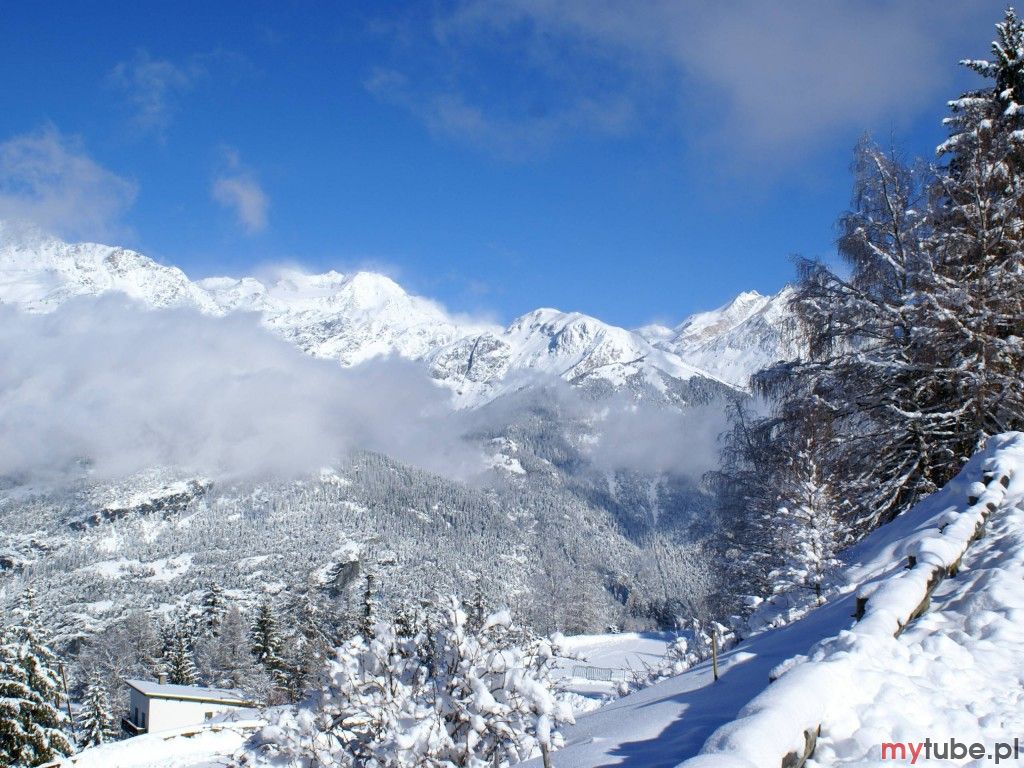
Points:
(213, 609)
(32, 725)
(266, 645)
(309, 645)
(978, 313)
(368, 606)
(806, 530)
(178, 663)
(95, 720)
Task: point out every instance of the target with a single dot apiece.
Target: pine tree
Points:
(31, 721)
(178, 664)
(266, 645)
(308, 647)
(806, 529)
(368, 606)
(95, 720)
(214, 607)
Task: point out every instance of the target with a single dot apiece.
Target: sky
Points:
(634, 161)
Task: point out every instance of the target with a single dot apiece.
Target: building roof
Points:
(156, 690)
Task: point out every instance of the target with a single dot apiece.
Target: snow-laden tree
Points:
(32, 724)
(128, 649)
(440, 695)
(310, 643)
(226, 661)
(915, 351)
(96, 721)
(178, 662)
(978, 247)
(870, 372)
(267, 646)
(787, 523)
(213, 609)
(806, 529)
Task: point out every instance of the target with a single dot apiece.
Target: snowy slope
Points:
(354, 317)
(961, 665)
(191, 747)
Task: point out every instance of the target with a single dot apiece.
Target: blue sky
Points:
(636, 161)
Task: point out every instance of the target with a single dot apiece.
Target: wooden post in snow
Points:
(545, 754)
(714, 651)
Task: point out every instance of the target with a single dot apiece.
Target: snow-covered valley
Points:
(953, 670)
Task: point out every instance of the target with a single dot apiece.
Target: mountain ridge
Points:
(355, 317)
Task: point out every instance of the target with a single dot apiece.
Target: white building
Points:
(159, 707)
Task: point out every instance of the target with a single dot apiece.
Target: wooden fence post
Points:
(714, 652)
(545, 754)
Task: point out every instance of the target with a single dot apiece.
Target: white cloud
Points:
(47, 179)
(758, 76)
(153, 87)
(127, 389)
(238, 190)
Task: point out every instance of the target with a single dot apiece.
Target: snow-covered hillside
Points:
(355, 317)
(955, 672)
(929, 658)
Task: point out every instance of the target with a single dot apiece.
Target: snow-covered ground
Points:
(203, 746)
(956, 672)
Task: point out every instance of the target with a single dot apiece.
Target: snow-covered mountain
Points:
(348, 318)
(548, 343)
(39, 273)
(354, 317)
(735, 340)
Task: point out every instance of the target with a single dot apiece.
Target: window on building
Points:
(143, 719)
(136, 718)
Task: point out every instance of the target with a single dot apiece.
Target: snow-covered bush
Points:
(432, 691)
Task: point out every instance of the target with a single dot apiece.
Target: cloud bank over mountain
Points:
(106, 380)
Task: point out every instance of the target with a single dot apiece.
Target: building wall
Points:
(138, 709)
(165, 714)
